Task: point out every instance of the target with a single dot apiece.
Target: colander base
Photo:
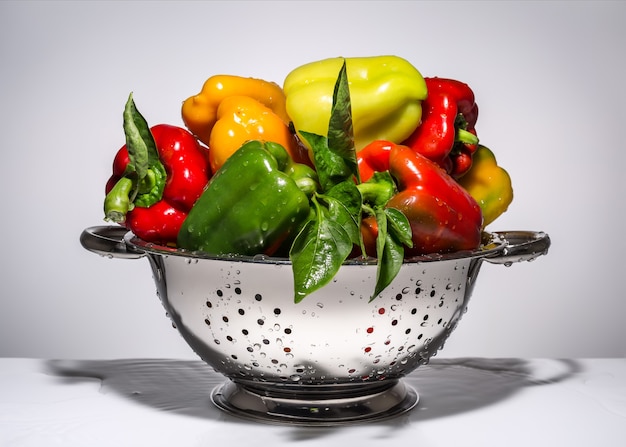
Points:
(369, 402)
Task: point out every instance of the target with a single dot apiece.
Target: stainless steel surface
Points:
(331, 359)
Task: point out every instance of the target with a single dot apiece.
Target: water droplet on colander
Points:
(320, 305)
(295, 377)
(508, 264)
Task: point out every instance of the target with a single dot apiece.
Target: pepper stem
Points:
(378, 189)
(117, 202)
(465, 137)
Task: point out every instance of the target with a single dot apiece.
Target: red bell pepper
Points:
(447, 134)
(154, 208)
(373, 158)
(443, 216)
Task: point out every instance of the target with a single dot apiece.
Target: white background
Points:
(549, 79)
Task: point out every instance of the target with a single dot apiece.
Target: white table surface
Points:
(463, 402)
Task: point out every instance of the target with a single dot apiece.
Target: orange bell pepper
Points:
(200, 111)
(260, 115)
(241, 119)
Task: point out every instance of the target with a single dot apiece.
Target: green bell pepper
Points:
(253, 204)
(386, 94)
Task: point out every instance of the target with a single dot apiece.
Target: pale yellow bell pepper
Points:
(386, 93)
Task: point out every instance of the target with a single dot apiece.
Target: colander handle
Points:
(108, 241)
(521, 246)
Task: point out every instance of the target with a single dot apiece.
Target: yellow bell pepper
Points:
(222, 123)
(386, 93)
(242, 118)
(489, 184)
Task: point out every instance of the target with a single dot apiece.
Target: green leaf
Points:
(381, 223)
(390, 254)
(344, 206)
(399, 226)
(140, 143)
(317, 253)
(331, 168)
(393, 257)
(340, 126)
(150, 188)
(348, 193)
(144, 168)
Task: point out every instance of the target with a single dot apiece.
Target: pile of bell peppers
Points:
(365, 151)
